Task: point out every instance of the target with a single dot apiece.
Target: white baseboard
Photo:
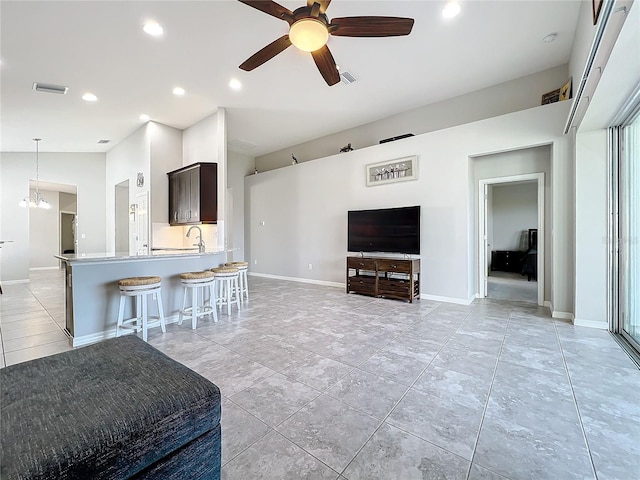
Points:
(15, 282)
(100, 336)
(578, 322)
(562, 315)
(44, 268)
(300, 280)
(457, 301)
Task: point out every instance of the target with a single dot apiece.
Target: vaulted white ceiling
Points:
(99, 47)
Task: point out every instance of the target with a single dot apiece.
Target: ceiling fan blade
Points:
(371, 26)
(324, 4)
(271, 8)
(327, 65)
(267, 53)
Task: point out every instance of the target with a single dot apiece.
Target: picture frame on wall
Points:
(596, 6)
(391, 171)
(566, 91)
(551, 97)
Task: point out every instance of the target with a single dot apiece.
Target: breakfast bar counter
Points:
(91, 286)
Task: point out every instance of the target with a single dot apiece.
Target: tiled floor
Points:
(319, 384)
(511, 286)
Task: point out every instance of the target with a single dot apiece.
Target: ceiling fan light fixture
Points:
(308, 34)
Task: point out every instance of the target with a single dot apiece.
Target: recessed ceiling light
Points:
(153, 28)
(451, 9)
(89, 97)
(550, 38)
(144, 117)
(235, 84)
(179, 91)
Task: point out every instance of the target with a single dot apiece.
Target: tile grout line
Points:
(486, 405)
(575, 403)
(382, 422)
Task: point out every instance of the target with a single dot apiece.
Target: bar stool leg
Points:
(184, 302)
(144, 317)
(213, 301)
(237, 285)
(161, 312)
(194, 307)
(120, 315)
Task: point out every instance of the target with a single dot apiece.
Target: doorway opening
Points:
(122, 217)
(68, 240)
(511, 220)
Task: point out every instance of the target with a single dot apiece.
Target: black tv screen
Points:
(390, 230)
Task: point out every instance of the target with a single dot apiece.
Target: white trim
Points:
(44, 268)
(562, 315)
(104, 335)
(591, 324)
(457, 301)
(300, 280)
(14, 282)
(548, 304)
(482, 262)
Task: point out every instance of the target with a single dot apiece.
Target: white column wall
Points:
(591, 229)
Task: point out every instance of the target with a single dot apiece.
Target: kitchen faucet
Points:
(200, 243)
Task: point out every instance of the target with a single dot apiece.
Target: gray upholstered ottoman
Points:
(116, 409)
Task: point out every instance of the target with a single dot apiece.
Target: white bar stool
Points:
(196, 281)
(140, 288)
(227, 282)
(243, 282)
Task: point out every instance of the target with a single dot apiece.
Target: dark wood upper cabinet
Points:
(193, 194)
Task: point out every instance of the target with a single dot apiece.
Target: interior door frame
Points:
(483, 184)
(143, 228)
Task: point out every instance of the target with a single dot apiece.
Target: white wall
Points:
(124, 161)
(206, 141)
(515, 211)
(590, 229)
(68, 202)
(238, 167)
(304, 207)
(512, 96)
(44, 232)
(85, 170)
(165, 156)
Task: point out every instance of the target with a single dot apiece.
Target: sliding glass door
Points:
(629, 231)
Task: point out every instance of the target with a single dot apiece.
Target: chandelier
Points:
(37, 200)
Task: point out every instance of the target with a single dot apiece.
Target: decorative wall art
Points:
(566, 91)
(390, 171)
(551, 97)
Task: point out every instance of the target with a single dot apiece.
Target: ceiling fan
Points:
(309, 30)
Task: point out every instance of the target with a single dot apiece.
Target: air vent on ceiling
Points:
(240, 145)
(50, 88)
(104, 141)
(347, 78)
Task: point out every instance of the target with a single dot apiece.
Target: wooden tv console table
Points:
(384, 277)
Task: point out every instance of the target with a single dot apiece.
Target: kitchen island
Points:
(92, 295)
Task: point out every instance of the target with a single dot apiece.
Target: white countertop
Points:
(125, 256)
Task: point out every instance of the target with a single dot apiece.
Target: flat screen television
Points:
(389, 230)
